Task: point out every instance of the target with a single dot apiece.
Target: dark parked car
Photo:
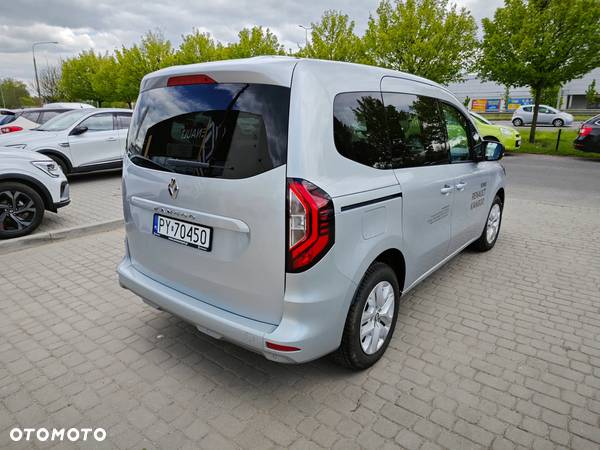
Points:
(588, 138)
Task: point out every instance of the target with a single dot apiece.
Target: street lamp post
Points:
(306, 29)
(37, 81)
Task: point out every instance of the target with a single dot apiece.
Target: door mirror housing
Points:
(489, 151)
(80, 129)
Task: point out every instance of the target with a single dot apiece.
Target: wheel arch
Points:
(33, 184)
(491, 138)
(395, 259)
(51, 152)
(500, 194)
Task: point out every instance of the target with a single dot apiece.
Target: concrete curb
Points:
(34, 240)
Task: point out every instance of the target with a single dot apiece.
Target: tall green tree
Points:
(540, 44)
(153, 53)
(429, 38)
(198, 47)
(333, 38)
(255, 41)
(89, 77)
(13, 93)
(77, 74)
(103, 80)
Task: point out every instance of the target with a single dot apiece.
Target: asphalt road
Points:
(553, 179)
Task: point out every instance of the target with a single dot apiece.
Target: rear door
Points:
(98, 144)
(545, 115)
(418, 139)
(212, 155)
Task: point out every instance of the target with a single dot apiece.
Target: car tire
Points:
(517, 122)
(21, 210)
(558, 123)
(491, 230)
(371, 309)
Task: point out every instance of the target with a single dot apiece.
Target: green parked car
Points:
(508, 136)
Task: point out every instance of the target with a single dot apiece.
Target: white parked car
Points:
(30, 184)
(81, 140)
(546, 115)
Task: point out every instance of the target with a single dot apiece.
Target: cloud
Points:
(105, 25)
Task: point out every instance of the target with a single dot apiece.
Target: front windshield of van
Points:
(63, 121)
(211, 130)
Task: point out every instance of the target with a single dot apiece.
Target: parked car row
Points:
(35, 160)
(26, 119)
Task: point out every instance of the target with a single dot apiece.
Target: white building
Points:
(488, 96)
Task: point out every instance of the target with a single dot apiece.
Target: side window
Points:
(47, 115)
(31, 115)
(98, 122)
(359, 129)
(416, 130)
(123, 121)
(527, 108)
(458, 130)
(543, 110)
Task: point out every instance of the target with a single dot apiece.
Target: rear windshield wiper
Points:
(149, 162)
(196, 164)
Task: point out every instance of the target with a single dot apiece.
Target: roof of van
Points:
(271, 70)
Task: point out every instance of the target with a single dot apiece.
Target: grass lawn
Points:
(545, 143)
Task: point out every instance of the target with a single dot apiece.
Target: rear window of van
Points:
(211, 130)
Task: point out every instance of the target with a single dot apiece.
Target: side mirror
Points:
(490, 151)
(79, 130)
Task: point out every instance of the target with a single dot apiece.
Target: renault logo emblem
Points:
(173, 188)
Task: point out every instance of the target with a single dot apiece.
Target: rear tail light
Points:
(184, 80)
(10, 129)
(310, 225)
(584, 131)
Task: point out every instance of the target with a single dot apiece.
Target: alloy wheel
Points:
(493, 223)
(17, 210)
(377, 317)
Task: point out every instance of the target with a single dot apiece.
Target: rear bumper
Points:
(313, 326)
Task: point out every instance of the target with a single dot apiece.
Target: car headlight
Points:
(506, 131)
(48, 167)
(16, 145)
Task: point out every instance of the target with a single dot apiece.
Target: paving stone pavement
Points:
(494, 351)
(94, 198)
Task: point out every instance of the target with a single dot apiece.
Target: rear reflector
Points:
(184, 80)
(281, 348)
(10, 129)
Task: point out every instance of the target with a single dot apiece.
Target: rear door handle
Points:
(111, 139)
(446, 189)
(460, 186)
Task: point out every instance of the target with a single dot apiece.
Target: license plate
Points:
(185, 233)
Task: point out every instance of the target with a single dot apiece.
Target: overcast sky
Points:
(108, 24)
